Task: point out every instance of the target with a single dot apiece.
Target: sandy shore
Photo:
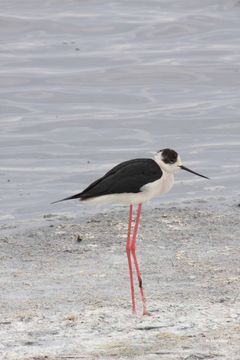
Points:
(65, 290)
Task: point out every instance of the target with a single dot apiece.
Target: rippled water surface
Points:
(87, 84)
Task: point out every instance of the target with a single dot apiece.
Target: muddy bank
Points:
(65, 291)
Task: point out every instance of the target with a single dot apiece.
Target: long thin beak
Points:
(193, 172)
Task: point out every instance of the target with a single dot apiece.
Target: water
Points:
(85, 85)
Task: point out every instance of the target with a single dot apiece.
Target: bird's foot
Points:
(146, 312)
(134, 311)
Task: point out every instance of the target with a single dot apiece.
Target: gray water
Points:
(87, 84)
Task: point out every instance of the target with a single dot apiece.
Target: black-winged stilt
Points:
(134, 182)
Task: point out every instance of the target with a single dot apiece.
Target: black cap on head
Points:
(169, 156)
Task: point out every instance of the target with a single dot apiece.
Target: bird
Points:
(133, 182)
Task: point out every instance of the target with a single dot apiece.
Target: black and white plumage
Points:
(134, 182)
(128, 177)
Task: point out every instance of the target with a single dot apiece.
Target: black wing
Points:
(127, 177)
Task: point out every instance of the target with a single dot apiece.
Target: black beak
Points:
(193, 172)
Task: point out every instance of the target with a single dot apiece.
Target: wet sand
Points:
(65, 289)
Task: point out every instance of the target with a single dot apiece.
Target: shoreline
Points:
(66, 290)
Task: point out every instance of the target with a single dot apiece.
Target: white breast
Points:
(159, 187)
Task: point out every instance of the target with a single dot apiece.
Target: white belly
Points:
(149, 191)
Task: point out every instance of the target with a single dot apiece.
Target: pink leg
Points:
(133, 250)
(128, 250)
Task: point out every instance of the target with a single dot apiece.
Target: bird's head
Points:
(170, 161)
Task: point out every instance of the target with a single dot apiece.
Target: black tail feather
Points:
(76, 196)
